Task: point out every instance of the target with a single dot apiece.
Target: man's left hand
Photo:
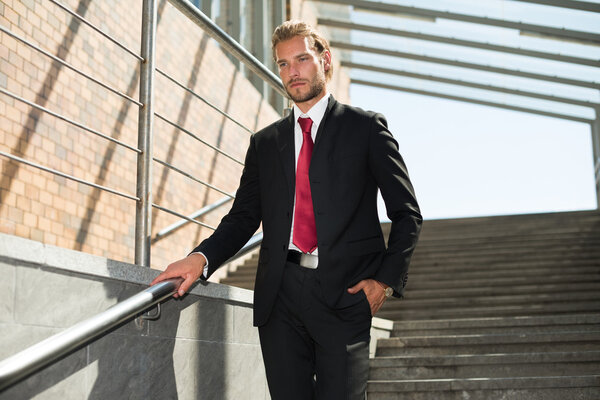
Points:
(374, 291)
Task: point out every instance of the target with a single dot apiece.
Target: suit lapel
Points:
(328, 124)
(285, 144)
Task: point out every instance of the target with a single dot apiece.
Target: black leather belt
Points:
(302, 259)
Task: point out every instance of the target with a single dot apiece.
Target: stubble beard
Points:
(317, 84)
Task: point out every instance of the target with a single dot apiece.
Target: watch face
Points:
(389, 291)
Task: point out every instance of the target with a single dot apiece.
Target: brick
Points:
(18, 187)
(11, 16)
(24, 203)
(57, 229)
(49, 238)
(37, 234)
(30, 219)
(44, 224)
(15, 215)
(22, 231)
(46, 198)
(10, 199)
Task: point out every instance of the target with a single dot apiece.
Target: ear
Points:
(326, 57)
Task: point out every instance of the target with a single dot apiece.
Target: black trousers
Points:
(311, 351)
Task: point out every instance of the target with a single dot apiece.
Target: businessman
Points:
(324, 270)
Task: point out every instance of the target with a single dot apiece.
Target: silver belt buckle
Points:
(309, 261)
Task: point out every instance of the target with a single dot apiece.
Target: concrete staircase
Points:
(497, 308)
(501, 307)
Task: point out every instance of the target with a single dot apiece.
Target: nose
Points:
(293, 71)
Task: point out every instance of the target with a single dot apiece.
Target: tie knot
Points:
(305, 124)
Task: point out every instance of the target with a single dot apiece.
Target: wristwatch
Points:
(388, 292)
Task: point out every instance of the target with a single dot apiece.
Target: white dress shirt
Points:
(316, 113)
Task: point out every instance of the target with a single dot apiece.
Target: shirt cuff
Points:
(205, 272)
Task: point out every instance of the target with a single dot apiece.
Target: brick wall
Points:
(54, 210)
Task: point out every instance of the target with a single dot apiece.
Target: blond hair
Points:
(290, 29)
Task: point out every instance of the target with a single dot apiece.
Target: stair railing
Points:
(29, 361)
(36, 357)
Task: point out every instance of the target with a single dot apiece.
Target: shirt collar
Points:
(315, 113)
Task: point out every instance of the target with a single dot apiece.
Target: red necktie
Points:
(305, 229)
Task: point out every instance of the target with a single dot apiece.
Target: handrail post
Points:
(143, 213)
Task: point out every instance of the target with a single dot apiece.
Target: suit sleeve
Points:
(242, 221)
(391, 175)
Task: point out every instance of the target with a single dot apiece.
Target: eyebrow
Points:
(298, 56)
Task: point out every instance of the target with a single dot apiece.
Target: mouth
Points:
(296, 84)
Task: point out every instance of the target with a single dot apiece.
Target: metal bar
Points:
(470, 100)
(191, 177)
(464, 64)
(197, 214)
(574, 5)
(592, 38)
(223, 113)
(143, 212)
(229, 44)
(199, 139)
(70, 121)
(56, 172)
(80, 18)
(69, 66)
(434, 78)
(42, 354)
(459, 42)
(183, 216)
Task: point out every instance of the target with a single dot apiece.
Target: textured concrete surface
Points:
(202, 347)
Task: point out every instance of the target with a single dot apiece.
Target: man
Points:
(311, 178)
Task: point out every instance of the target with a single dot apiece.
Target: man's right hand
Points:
(189, 268)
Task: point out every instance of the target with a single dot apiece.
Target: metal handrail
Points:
(67, 176)
(203, 211)
(67, 65)
(38, 356)
(252, 244)
(229, 44)
(94, 27)
(205, 101)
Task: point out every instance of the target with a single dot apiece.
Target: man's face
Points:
(301, 69)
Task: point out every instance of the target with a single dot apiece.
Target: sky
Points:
(472, 160)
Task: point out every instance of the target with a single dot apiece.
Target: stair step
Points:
(486, 365)
(420, 283)
(502, 290)
(549, 323)
(489, 300)
(513, 265)
(489, 343)
(491, 311)
(586, 387)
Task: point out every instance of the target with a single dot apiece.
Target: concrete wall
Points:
(202, 347)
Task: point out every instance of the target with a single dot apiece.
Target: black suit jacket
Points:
(354, 154)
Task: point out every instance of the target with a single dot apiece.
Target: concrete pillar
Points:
(596, 153)
(261, 39)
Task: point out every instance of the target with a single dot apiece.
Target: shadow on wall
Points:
(171, 358)
(179, 356)
(29, 127)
